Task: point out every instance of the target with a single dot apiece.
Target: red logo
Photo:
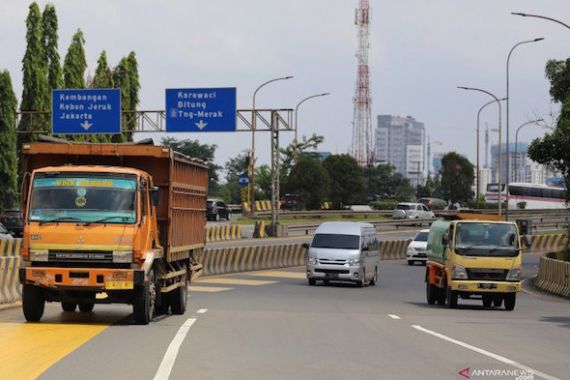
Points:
(465, 372)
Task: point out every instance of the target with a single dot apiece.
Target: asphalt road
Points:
(272, 325)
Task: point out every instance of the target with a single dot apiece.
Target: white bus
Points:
(535, 196)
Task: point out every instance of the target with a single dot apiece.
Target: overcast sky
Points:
(420, 51)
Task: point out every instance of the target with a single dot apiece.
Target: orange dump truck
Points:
(110, 223)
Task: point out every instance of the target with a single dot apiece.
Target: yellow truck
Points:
(110, 223)
(473, 256)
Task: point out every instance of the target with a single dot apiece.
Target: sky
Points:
(420, 51)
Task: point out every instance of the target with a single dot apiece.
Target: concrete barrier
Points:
(547, 243)
(223, 232)
(554, 276)
(393, 249)
(10, 289)
(252, 258)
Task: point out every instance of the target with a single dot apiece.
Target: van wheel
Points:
(312, 282)
(33, 303)
(362, 282)
(451, 297)
(510, 300)
(374, 280)
(410, 262)
(68, 306)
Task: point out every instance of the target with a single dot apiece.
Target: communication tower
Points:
(361, 147)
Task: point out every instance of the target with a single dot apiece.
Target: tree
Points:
(346, 182)
(8, 161)
(431, 188)
(263, 182)
(204, 152)
(75, 64)
(293, 150)
(126, 77)
(103, 74)
(385, 181)
(232, 189)
(35, 92)
(457, 175)
(310, 180)
(49, 42)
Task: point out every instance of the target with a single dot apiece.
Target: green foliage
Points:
(35, 91)
(431, 188)
(384, 205)
(230, 191)
(75, 64)
(49, 42)
(456, 178)
(310, 180)
(126, 77)
(263, 182)
(386, 182)
(204, 152)
(103, 74)
(293, 150)
(346, 181)
(8, 162)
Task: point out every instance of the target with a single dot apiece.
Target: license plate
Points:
(332, 275)
(487, 286)
(119, 285)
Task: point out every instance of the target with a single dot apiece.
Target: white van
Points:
(344, 251)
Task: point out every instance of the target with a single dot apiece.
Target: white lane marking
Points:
(486, 353)
(394, 316)
(201, 311)
(169, 358)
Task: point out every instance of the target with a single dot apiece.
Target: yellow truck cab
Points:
(470, 257)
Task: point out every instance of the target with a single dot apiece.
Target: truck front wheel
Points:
(143, 302)
(510, 300)
(33, 303)
(431, 293)
(180, 297)
(451, 298)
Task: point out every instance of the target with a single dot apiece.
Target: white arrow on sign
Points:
(86, 125)
(201, 124)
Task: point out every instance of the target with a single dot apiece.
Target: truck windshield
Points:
(83, 198)
(486, 239)
(336, 241)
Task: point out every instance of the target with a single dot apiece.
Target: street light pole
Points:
(508, 115)
(517, 142)
(541, 17)
(297, 113)
(253, 129)
(500, 130)
(478, 129)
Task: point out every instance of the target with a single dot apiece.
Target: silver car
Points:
(344, 251)
(407, 210)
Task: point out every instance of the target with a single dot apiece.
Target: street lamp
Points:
(541, 17)
(500, 129)
(297, 111)
(508, 114)
(253, 129)
(517, 141)
(478, 129)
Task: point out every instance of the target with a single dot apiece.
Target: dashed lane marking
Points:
(234, 281)
(169, 358)
(394, 316)
(207, 289)
(481, 351)
(201, 311)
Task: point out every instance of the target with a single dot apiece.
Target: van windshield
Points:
(336, 241)
(486, 239)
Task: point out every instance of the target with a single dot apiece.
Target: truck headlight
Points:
(458, 273)
(39, 254)
(353, 262)
(122, 256)
(312, 260)
(514, 274)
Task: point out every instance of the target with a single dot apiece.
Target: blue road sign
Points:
(243, 179)
(201, 110)
(86, 111)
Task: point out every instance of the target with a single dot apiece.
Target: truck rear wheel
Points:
(510, 300)
(33, 303)
(143, 302)
(68, 306)
(180, 297)
(86, 307)
(487, 300)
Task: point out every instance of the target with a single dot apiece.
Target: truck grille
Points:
(80, 256)
(487, 274)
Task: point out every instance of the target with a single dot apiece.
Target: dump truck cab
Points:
(473, 256)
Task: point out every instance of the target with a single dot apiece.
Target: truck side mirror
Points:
(155, 196)
(444, 240)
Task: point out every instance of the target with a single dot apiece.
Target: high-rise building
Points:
(436, 163)
(400, 142)
(518, 160)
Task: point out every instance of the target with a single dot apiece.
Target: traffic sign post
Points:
(86, 111)
(201, 110)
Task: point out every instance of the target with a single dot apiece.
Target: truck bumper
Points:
(486, 286)
(99, 279)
